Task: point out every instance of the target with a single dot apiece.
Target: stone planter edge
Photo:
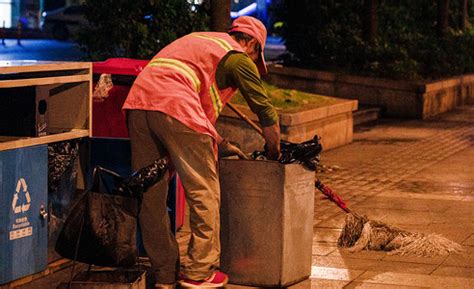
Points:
(333, 123)
(288, 117)
(408, 99)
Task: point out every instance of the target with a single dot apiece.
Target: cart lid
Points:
(123, 66)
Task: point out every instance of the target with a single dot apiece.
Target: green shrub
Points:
(136, 29)
(327, 35)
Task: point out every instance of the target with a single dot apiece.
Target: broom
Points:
(359, 233)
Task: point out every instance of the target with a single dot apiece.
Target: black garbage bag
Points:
(101, 226)
(141, 180)
(305, 153)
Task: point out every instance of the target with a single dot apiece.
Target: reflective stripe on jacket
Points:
(180, 81)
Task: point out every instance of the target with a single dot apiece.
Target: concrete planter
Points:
(333, 123)
(405, 99)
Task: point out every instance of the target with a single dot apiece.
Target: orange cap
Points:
(255, 28)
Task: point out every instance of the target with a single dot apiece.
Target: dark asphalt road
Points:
(39, 49)
(47, 49)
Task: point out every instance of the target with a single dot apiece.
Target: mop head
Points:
(360, 233)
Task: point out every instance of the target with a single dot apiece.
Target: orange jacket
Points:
(180, 81)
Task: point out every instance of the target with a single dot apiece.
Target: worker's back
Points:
(179, 79)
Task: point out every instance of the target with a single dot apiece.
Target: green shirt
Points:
(237, 70)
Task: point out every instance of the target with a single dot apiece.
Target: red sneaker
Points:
(217, 279)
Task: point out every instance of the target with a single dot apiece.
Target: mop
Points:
(359, 232)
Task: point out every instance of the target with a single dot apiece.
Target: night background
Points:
(385, 86)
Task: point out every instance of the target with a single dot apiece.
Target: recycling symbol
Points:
(21, 187)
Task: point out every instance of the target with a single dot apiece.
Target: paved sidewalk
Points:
(417, 175)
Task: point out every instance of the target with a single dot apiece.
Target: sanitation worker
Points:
(172, 108)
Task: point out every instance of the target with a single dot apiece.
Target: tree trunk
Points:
(443, 16)
(370, 19)
(464, 15)
(220, 15)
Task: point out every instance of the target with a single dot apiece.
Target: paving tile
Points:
(326, 206)
(334, 222)
(407, 279)
(421, 196)
(328, 273)
(371, 186)
(302, 285)
(453, 216)
(398, 203)
(469, 241)
(364, 254)
(359, 178)
(320, 218)
(372, 265)
(321, 203)
(378, 189)
(455, 271)
(323, 249)
(453, 169)
(462, 210)
(425, 188)
(313, 283)
(337, 181)
(321, 212)
(306, 284)
(463, 259)
(401, 217)
(383, 179)
(326, 235)
(454, 232)
(358, 285)
(329, 284)
(360, 198)
(469, 198)
(437, 260)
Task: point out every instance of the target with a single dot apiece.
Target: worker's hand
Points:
(272, 139)
(226, 149)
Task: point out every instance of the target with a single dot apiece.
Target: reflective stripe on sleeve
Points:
(216, 99)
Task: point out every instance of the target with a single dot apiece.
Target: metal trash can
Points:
(266, 222)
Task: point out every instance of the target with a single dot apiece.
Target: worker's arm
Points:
(239, 71)
(272, 138)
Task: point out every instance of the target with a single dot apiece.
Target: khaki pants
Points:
(154, 134)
